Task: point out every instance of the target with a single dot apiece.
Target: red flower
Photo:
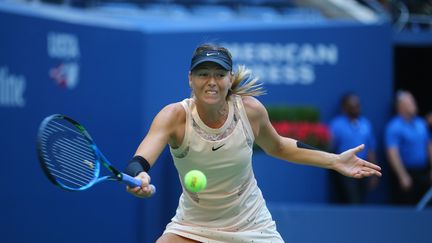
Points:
(315, 134)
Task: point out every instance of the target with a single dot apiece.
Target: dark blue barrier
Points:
(114, 74)
(309, 224)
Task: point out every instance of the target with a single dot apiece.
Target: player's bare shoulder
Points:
(256, 113)
(173, 117)
(254, 108)
(173, 114)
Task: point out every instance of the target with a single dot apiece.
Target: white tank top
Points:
(231, 202)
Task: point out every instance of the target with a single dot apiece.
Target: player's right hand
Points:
(144, 191)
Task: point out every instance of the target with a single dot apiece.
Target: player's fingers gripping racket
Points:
(70, 159)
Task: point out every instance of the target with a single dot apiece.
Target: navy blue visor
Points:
(218, 57)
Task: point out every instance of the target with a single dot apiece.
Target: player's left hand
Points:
(349, 164)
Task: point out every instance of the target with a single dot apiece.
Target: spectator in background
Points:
(352, 129)
(409, 151)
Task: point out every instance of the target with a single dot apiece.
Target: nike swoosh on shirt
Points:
(214, 149)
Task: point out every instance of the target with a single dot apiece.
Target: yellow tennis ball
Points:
(195, 181)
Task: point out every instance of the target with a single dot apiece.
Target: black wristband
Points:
(305, 146)
(137, 165)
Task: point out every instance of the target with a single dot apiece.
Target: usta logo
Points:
(65, 75)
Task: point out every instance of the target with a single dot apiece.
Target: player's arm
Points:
(162, 131)
(292, 150)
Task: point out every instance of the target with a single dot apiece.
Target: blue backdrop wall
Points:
(114, 75)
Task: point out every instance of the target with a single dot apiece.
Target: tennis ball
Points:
(195, 181)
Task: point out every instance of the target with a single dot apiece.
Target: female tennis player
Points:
(214, 131)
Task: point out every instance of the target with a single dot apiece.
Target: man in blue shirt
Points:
(409, 151)
(348, 130)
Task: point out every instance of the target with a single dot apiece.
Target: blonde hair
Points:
(245, 83)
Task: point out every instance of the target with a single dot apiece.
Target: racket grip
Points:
(132, 182)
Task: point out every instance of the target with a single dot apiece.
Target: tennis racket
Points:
(70, 158)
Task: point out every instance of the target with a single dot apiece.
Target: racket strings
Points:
(68, 155)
